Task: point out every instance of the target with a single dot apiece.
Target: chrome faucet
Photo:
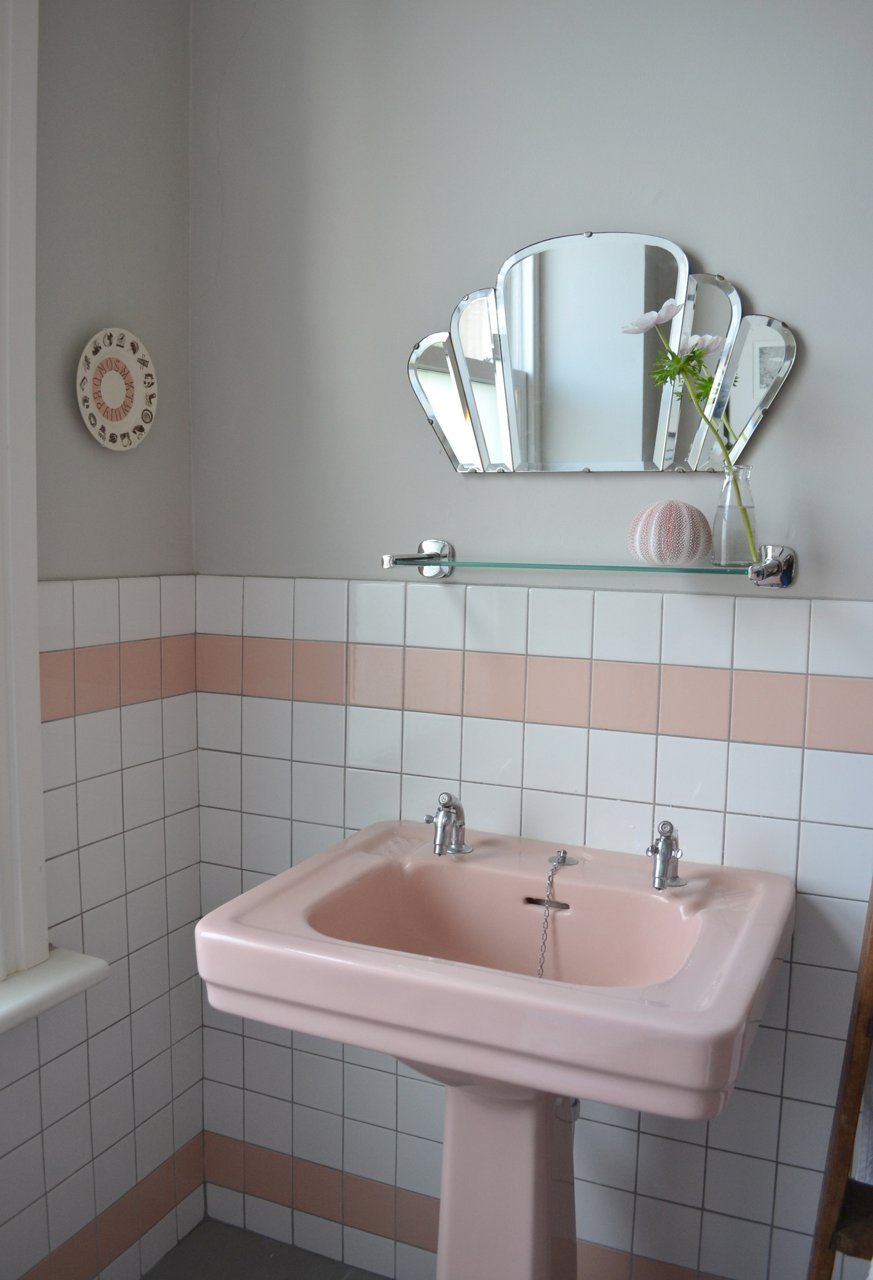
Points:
(449, 826)
(666, 853)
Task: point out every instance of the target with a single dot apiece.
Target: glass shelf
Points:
(419, 562)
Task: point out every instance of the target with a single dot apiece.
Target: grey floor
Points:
(215, 1251)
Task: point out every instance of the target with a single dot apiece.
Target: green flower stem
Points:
(721, 444)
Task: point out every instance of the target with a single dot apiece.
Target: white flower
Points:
(651, 319)
(706, 343)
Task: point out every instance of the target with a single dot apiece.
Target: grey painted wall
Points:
(112, 248)
(358, 165)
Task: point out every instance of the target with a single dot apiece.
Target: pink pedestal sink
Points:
(648, 1000)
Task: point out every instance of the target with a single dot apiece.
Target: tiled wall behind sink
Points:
(574, 716)
(101, 1165)
(247, 723)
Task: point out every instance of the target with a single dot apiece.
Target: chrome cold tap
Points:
(666, 853)
(449, 826)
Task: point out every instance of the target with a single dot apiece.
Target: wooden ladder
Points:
(845, 1211)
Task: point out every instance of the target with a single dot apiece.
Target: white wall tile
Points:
(623, 825)
(698, 631)
(266, 786)
(219, 607)
(555, 758)
(419, 1164)
(734, 1249)
(112, 1114)
(805, 1133)
(377, 612)
(319, 733)
(60, 815)
(182, 839)
(220, 779)
(435, 615)
(67, 1146)
(142, 736)
(604, 1215)
(771, 635)
(373, 738)
(152, 1087)
(627, 626)
(63, 898)
(109, 1057)
(146, 914)
(99, 808)
(268, 607)
(20, 1102)
(835, 861)
(491, 751)
(700, 832)
(371, 797)
(841, 638)
(58, 753)
(691, 772)
(177, 605)
(218, 885)
(70, 1206)
(266, 843)
(98, 743)
(419, 795)
(149, 974)
(548, 815)
(370, 1151)
(60, 1028)
(431, 744)
(22, 1178)
(496, 619)
(320, 609)
(95, 612)
(821, 1000)
(143, 787)
(368, 1252)
(420, 1108)
(748, 1126)
(764, 780)
(318, 794)
(219, 721)
(763, 844)
(797, 1196)
(268, 1219)
(606, 1154)
(139, 608)
(183, 897)
(266, 727)
(739, 1185)
(838, 787)
(667, 1232)
(104, 930)
(560, 622)
(109, 1001)
(55, 616)
(180, 782)
(762, 1070)
(318, 1082)
(317, 1137)
(144, 855)
(492, 808)
(828, 931)
(180, 723)
(812, 1068)
(154, 1142)
(621, 766)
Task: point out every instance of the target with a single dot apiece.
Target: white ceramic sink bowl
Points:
(649, 1000)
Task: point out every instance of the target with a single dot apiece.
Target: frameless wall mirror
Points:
(535, 374)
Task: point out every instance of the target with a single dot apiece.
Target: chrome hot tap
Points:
(666, 852)
(449, 826)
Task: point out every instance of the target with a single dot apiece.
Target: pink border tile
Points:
(695, 702)
(266, 667)
(376, 675)
(624, 695)
(267, 1174)
(219, 664)
(97, 678)
(417, 1219)
(494, 685)
(840, 716)
(768, 707)
(140, 671)
(368, 1205)
(558, 691)
(56, 684)
(178, 665)
(319, 671)
(318, 1190)
(434, 681)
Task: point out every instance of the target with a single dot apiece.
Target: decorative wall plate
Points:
(116, 389)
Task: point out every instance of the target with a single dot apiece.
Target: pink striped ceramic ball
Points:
(669, 533)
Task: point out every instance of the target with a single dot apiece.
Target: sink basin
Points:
(648, 1000)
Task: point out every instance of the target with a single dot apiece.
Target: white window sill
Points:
(25, 994)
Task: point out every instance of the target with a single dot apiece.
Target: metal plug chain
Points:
(559, 860)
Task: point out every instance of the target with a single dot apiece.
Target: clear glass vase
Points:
(734, 541)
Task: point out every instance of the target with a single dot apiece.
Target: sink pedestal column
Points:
(507, 1209)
